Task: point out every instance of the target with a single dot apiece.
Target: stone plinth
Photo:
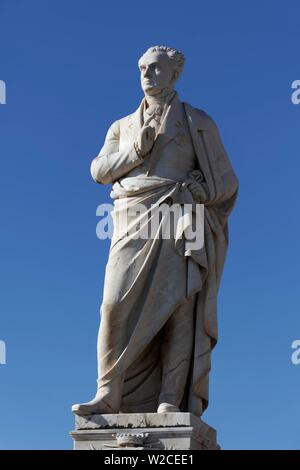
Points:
(165, 431)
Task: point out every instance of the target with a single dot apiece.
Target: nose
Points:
(147, 72)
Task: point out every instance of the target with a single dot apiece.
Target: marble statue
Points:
(159, 310)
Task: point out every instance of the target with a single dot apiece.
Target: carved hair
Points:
(176, 57)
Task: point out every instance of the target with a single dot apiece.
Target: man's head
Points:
(160, 67)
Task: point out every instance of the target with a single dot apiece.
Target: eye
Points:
(157, 69)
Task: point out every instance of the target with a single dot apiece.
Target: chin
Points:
(151, 90)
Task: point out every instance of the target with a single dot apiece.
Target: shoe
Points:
(95, 406)
(168, 408)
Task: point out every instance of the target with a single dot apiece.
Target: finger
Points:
(193, 186)
(150, 134)
(201, 196)
(197, 191)
(151, 131)
(146, 128)
(147, 135)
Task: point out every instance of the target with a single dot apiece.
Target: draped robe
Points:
(147, 279)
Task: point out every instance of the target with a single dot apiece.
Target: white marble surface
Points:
(170, 431)
(159, 307)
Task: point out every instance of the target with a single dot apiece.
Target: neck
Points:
(161, 98)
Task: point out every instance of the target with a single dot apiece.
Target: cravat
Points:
(152, 116)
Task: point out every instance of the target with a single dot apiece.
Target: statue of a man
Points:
(158, 315)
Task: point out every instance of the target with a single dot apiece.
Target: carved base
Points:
(149, 431)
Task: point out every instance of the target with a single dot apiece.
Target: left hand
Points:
(198, 191)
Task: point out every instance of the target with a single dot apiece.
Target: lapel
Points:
(172, 123)
(135, 122)
(170, 126)
(172, 120)
(198, 122)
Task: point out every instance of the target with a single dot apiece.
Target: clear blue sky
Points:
(71, 69)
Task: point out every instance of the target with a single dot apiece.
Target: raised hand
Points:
(145, 140)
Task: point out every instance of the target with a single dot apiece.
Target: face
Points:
(157, 72)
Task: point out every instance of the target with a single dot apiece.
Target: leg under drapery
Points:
(176, 351)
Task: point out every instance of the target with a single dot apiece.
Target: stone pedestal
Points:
(149, 431)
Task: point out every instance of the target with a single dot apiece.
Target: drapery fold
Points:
(148, 278)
